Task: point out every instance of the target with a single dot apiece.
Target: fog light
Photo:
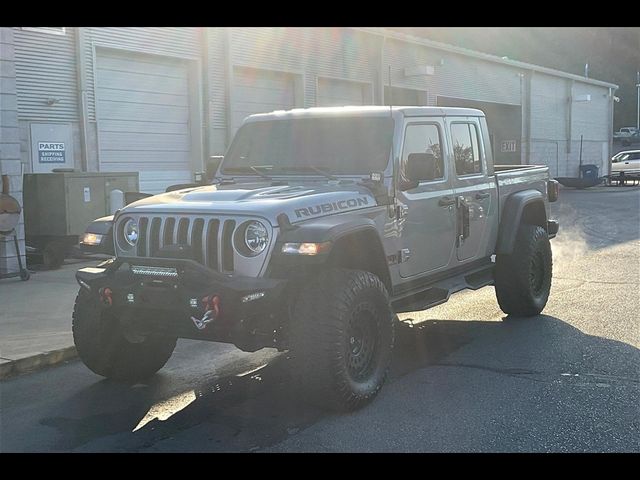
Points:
(252, 296)
(305, 248)
(92, 238)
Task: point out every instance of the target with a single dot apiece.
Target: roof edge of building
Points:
(480, 55)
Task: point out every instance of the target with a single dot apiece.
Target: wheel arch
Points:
(524, 207)
(361, 249)
(355, 244)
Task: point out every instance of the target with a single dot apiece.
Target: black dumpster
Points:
(589, 172)
(588, 177)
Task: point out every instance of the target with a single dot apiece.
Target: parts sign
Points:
(51, 152)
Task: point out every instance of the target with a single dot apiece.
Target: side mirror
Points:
(212, 166)
(420, 167)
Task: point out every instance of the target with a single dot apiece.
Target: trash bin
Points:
(589, 172)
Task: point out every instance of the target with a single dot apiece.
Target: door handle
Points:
(626, 163)
(481, 195)
(446, 201)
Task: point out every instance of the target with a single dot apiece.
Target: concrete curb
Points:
(11, 368)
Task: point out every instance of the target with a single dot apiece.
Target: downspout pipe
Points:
(228, 68)
(206, 95)
(81, 72)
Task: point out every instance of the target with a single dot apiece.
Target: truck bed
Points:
(514, 178)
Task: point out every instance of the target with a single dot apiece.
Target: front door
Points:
(474, 189)
(427, 212)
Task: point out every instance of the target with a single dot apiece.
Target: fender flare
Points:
(511, 218)
(328, 229)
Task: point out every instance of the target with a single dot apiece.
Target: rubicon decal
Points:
(332, 207)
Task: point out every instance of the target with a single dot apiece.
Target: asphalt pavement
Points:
(465, 378)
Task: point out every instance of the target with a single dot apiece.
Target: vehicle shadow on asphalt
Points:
(253, 410)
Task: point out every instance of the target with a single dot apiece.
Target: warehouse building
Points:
(160, 100)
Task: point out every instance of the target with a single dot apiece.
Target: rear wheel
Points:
(342, 336)
(109, 350)
(523, 278)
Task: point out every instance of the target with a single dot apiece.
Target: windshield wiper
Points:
(304, 168)
(254, 168)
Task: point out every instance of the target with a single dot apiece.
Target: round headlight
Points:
(256, 237)
(130, 232)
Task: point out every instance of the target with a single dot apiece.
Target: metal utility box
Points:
(59, 206)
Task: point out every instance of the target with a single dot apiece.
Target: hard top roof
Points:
(373, 110)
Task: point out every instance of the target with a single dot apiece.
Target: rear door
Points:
(474, 187)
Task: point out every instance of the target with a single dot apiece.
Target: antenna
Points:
(390, 94)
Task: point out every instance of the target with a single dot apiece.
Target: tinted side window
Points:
(423, 139)
(466, 153)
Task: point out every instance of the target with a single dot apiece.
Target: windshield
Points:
(340, 146)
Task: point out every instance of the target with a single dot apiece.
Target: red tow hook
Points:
(212, 303)
(106, 296)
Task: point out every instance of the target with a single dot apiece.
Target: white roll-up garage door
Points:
(260, 91)
(142, 109)
(336, 93)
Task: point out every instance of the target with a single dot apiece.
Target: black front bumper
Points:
(170, 300)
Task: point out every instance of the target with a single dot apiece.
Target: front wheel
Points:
(342, 335)
(523, 278)
(108, 350)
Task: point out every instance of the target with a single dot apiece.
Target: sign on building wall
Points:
(51, 147)
(508, 146)
(51, 152)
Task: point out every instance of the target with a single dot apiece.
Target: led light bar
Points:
(154, 271)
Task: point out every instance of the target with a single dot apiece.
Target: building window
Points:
(466, 153)
(52, 30)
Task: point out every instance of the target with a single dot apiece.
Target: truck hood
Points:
(299, 201)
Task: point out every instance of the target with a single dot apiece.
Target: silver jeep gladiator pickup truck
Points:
(320, 225)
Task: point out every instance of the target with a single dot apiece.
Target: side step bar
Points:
(440, 291)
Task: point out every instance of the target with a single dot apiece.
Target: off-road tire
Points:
(103, 347)
(342, 336)
(523, 278)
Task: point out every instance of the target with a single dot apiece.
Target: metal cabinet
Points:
(59, 206)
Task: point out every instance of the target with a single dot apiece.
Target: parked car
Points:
(633, 138)
(321, 226)
(625, 166)
(625, 132)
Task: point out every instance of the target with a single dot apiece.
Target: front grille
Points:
(210, 238)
